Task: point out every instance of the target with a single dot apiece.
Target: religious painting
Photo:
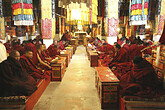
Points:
(112, 26)
(47, 28)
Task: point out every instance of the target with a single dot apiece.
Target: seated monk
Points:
(18, 47)
(53, 50)
(62, 45)
(14, 81)
(141, 80)
(45, 53)
(39, 59)
(120, 56)
(135, 50)
(28, 65)
(107, 49)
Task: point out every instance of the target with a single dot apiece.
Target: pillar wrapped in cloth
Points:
(22, 12)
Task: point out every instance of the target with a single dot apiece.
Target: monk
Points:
(14, 81)
(45, 53)
(39, 59)
(65, 36)
(141, 80)
(135, 50)
(120, 56)
(30, 46)
(106, 49)
(18, 47)
(53, 50)
(28, 65)
(62, 45)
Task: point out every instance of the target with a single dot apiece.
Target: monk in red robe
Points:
(53, 50)
(135, 50)
(30, 46)
(14, 81)
(28, 65)
(18, 47)
(62, 45)
(141, 81)
(39, 59)
(45, 53)
(107, 49)
(120, 56)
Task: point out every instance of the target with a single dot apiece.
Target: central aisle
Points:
(76, 91)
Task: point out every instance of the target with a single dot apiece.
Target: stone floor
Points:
(76, 91)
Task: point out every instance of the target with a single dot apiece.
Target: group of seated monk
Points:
(26, 64)
(137, 76)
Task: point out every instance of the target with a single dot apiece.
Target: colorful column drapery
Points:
(139, 12)
(22, 12)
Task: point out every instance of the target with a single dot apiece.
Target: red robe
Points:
(52, 51)
(107, 51)
(121, 57)
(19, 48)
(31, 47)
(31, 68)
(141, 81)
(135, 50)
(62, 47)
(14, 81)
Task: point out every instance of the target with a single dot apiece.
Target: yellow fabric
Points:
(146, 11)
(28, 11)
(136, 12)
(17, 11)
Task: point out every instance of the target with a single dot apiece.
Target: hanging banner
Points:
(112, 26)
(112, 18)
(47, 28)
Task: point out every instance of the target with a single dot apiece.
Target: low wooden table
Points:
(107, 86)
(58, 69)
(66, 53)
(93, 57)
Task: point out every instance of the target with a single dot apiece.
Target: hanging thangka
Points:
(139, 12)
(22, 12)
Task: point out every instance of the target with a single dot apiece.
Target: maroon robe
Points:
(19, 48)
(62, 47)
(135, 50)
(14, 81)
(52, 51)
(31, 68)
(141, 81)
(120, 57)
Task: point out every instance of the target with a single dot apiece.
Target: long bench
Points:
(24, 102)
